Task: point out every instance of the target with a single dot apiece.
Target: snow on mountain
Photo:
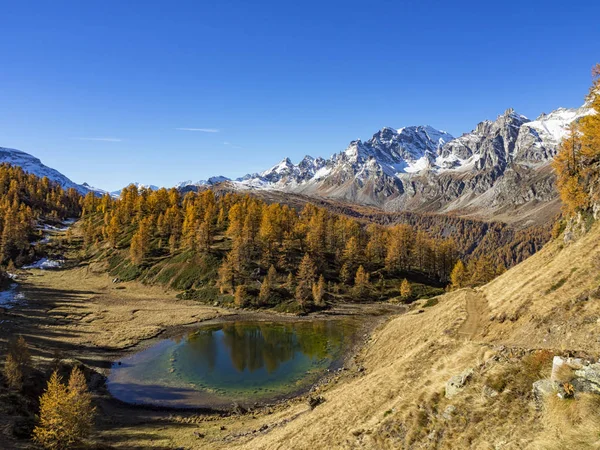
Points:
(210, 182)
(137, 185)
(33, 165)
(501, 162)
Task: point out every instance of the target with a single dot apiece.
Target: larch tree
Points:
(241, 296)
(66, 412)
(361, 283)
(266, 290)
(18, 363)
(459, 277)
(318, 291)
(305, 279)
(405, 290)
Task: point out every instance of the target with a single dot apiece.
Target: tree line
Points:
(24, 199)
(261, 247)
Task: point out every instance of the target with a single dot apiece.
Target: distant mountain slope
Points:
(33, 165)
(499, 168)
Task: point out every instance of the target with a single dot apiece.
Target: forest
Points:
(24, 200)
(231, 247)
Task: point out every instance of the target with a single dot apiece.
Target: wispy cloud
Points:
(103, 139)
(229, 144)
(202, 130)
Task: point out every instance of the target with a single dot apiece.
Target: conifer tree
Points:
(18, 363)
(459, 276)
(345, 274)
(226, 278)
(405, 290)
(361, 283)
(305, 279)
(289, 283)
(266, 290)
(241, 295)
(80, 405)
(481, 270)
(66, 412)
(53, 430)
(319, 292)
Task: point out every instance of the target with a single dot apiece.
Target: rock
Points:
(590, 372)
(558, 362)
(199, 435)
(544, 388)
(449, 412)
(457, 383)
(357, 432)
(313, 402)
(216, 304)
(489, 392)
(238, 409)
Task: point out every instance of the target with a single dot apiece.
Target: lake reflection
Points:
(238, 361)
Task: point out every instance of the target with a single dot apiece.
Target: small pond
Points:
(241, 362)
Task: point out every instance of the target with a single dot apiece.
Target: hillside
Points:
(398, 401)
(34, 166)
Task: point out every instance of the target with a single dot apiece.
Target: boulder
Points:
(544, 388)
(558, 362)
(587, 379)
(455, 384)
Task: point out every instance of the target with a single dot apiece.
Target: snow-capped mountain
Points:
(210, 182)
(137, 185)
(33, 165)
(502, 162)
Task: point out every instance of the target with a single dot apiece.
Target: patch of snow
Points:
(45, 264)
(554, 126)
(418, 165)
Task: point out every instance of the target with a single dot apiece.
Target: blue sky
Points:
(108, 91)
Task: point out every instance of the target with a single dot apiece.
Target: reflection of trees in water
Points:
(201, 347)
(268, 345)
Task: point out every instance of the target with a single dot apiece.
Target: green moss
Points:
(431, 302)
(557, 285)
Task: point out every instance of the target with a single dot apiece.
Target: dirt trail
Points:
(477, 314)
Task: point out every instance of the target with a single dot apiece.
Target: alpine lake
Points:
(241, 362)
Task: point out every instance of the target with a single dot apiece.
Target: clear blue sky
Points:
(101, 90)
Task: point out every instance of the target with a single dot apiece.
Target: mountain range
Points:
(500, 168)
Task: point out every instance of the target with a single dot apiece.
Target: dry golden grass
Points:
(84, 308)
(398, 401)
